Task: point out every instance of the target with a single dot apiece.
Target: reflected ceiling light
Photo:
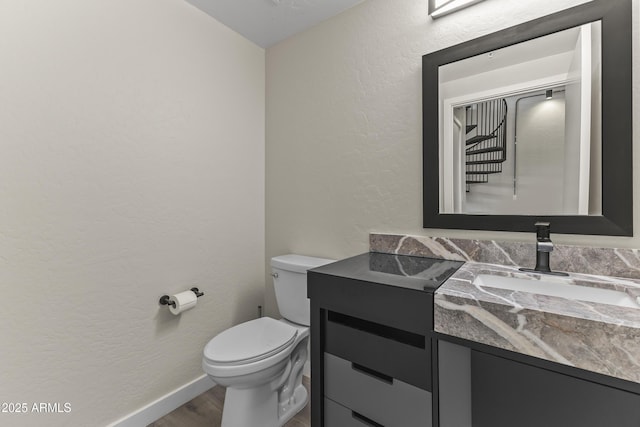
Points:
(549, 93)
(439, 8)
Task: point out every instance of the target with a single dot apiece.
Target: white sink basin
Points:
(557, 289)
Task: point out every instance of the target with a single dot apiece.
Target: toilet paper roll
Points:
(184, 301)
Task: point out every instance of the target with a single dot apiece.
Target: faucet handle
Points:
(543, 230)
(543, 247)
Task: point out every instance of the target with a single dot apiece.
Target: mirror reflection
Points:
(521, 128)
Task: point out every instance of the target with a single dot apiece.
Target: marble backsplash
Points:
(578, 259)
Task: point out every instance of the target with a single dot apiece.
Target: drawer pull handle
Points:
(375, 374)
(365, 420)
(384, 331)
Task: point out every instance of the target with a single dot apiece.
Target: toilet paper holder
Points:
(166, 299)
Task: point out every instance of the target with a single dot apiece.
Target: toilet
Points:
(261, 361)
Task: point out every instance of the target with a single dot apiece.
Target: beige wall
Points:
(131, 165)
(344, 125)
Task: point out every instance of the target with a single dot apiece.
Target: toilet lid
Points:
(250, 341)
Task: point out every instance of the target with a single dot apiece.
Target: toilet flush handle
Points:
(274, 275)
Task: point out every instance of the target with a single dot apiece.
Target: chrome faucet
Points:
(544, 246)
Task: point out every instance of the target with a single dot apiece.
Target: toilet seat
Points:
(242, 347)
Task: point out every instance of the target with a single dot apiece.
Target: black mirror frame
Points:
(617, 119)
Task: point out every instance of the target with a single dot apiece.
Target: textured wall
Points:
(344, 125)
(131, 165)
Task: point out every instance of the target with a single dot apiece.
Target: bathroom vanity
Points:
(516, 349)
(410, 341)
(371, 340)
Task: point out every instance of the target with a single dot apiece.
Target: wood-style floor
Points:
(206, 411)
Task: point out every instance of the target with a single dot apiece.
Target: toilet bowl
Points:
(261, 361)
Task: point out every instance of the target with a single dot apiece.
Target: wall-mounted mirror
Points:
(533, 123)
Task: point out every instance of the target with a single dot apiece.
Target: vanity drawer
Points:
(378, 397)
(336, 415)
(400, 354)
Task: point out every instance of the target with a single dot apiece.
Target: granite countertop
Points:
(592, 336)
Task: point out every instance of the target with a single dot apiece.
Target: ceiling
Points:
(267, 22)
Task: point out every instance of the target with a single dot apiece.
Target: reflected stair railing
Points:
(486, 143)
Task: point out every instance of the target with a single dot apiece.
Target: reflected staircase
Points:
(486, 143)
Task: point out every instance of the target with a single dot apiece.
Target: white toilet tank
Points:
(290, 282)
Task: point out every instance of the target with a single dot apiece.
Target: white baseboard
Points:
(167, 403)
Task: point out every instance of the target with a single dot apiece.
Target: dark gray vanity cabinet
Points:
(480, 389)
(371, 327)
